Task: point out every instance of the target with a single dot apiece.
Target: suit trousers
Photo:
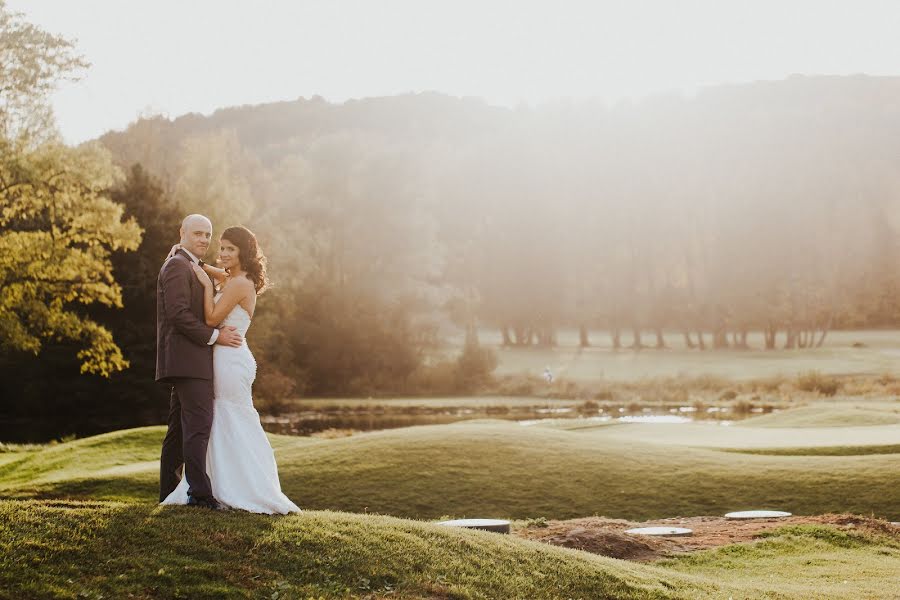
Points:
(190, 421)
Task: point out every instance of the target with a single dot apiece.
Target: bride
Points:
(239, 459)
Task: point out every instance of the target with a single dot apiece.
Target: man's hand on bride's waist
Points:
(229, 336)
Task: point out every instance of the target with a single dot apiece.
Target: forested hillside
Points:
(392, 222)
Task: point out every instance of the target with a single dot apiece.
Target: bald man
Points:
(184, 362)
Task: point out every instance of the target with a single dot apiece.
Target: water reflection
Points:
(361, 418)
(654, 419)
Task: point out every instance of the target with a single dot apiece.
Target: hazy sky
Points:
(179, 56)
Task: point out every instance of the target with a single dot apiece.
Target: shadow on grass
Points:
(87, 549)
(124, 489)
(819, 450)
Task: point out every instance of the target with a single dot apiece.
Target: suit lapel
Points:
(184, 254)
(194, 290)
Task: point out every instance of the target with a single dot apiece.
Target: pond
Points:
(358, 418)
(340, 417)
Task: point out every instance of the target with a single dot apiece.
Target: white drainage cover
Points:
(498, 525)
(665, 531)
(758, 514)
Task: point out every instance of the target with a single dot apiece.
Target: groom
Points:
(184, 361)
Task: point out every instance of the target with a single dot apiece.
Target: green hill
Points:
(490, 469)
(137, 550)
(66, 533)
(822, 416)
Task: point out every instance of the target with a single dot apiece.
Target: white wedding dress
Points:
(239, 459)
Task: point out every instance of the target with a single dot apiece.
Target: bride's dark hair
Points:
(253, 261)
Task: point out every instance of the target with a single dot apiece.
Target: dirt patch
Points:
(607, 536)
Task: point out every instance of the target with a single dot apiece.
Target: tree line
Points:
(769, 207)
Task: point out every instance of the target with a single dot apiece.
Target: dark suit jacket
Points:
(182, 335)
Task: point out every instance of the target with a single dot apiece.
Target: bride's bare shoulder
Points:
(238, 285)
(242, 283)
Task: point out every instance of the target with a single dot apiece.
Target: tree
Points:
(32, 62)
(51, 396)
(57, 224)
(213, 179)
(57, 230)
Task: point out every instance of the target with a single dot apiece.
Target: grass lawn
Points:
(493, 469)
(828, 416)
(821, 425)
(804, 561)
(51, 549)
(879, 354)
(79, 519)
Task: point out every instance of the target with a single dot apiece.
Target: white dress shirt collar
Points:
(191, 254)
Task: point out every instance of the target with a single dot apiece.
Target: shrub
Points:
(588, 406)
(566, 390)
(886, 379)
(469, 373)
(438, 378)
(516, 385)
(474, 367)
(742, 406)
(272, 389)
(815, 381)
(536, 522)
(770, 384)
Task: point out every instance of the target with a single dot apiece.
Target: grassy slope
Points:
(491, 469)
(818, 416)
(822, 450)
(710, 435)
(115, 549)
(108, 549)
(804, 561)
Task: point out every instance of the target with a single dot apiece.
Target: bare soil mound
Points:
(604, 536)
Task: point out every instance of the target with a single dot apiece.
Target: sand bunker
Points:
(607, 536)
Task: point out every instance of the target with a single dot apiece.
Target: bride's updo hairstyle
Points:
(253, 261)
